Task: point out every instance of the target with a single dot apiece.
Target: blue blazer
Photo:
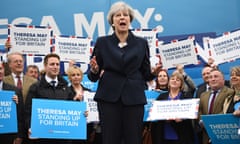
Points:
(126, 69)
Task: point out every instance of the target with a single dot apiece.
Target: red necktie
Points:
(19, 82)
(212, 102)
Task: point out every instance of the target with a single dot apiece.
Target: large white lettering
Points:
(81, 22)
(143, 20)
(50, 21)
(96, 26)
(22, 20)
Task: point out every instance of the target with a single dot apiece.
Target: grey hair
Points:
(118, 6)
(9, 56)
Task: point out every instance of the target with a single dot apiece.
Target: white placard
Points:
(30, 39)
(73, 48)
(225, 48)
(92, 109)
(180, 52)
(174, 109)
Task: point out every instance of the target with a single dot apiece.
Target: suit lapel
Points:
(24, 83)
(9, 79)
(218, 103)
(206, 97)
(219, 99)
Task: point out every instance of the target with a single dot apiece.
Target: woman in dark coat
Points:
(121, 64)
(176, 131)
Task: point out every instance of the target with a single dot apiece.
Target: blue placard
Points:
(222, 128)
(237, 106)
(8, 115)
(150, 95)
(89, 84)
(2, 48)
(58, 119)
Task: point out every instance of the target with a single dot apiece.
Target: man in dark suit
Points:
(15, 138)
(212, 101)
(204, 86)
(200, 89)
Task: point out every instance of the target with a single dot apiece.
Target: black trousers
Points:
(7, 138)
(121, 124)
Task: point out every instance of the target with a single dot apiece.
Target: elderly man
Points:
(212, 101)
(15, 138)
(17, 77)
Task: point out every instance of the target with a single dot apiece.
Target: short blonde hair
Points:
(74, 69)
(118, 6)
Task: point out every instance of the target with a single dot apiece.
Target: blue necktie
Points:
(53, 83)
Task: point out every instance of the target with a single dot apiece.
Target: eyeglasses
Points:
(18, 61)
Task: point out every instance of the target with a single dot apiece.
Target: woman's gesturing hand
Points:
(94, 66)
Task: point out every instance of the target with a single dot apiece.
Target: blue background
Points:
(177, 18)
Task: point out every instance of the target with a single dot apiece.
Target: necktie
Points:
(212, 102)
(53, 83)
(19, 82)
(208, 88)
